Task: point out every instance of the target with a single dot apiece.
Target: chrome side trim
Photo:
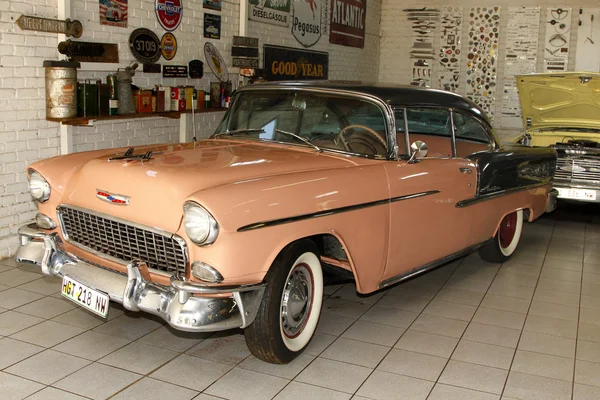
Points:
(434, 264)
(490, 196)
(324, 213)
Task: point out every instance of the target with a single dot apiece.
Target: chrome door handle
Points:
(465, 170)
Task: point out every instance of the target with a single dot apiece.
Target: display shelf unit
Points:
(83, 121)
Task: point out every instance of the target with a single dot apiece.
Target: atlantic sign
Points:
(276, 12)
(288, 63)
(347, 23)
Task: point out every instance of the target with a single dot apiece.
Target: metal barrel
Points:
(61, 90)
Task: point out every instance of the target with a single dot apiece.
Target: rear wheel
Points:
(506, 240)
(291, 305)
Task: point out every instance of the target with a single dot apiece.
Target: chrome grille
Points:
(578, 169)
(122, 240)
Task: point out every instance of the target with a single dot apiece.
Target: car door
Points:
(425, 224)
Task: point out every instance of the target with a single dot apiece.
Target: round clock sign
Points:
(144, 45)
(169, 13)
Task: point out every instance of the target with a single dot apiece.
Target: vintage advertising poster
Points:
(450, 48)
(347, 22)
(522, 34)
(276, 12)
(212, 26)
(113, 13)
(588, 41)
(288, 63)
(558, 35)
(307, 21)
(212, 4)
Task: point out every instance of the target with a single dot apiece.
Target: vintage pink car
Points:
(377, 182)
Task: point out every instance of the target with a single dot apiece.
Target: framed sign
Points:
(113, 12)
(306, 21)
(276, 12)
(168, 46)
(90, 51)
(212, 4)
(144, 45)
(347, 22)
(244, 52)
(212, 26)
(169, 13)
(288, 63)
(175, 71)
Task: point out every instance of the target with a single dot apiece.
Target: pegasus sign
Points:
(307, 21)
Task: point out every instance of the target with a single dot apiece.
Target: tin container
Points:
(178, 99)
(61, 89)
(166, 98)
(189, 97)
(143, 100)
(87, 99)
(113, 100)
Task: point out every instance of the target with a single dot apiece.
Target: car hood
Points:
(158, 187)
(563, 100)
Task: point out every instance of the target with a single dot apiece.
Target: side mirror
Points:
(419, 150)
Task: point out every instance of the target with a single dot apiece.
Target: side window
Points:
(468, 128)
(428, 121)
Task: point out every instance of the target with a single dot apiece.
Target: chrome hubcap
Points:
(297, 300)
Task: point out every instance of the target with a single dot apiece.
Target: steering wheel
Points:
(366, 128)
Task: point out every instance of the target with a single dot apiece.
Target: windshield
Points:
(321, 121)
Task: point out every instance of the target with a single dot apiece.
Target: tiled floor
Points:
(527, 329)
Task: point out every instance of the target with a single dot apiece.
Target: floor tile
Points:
(543, 365)
(319, 343)
(47, 367)
(355, 352)
(586, 351)
(591, 278)
(12, 322)
(91, 345)
(17, 276)
(334, 375)
(554, 297)
(47, 333)
(369, 332)
(80, 318)
(590, 302)
(191, 372)
(286, 371)
(427, 343)
(240, 383)
(504, 319)
(483, 354)
(560, 286)
(13, 298)
(525, 386)
(13, 351)
(559, 311)
(345, 308)
(48, 308)
(553, 263)
(439, 325)
(50, 393)
(508, 290)
(514, 277)
(130, 326)
(551, 326)
(46, 285)
(297, 390)
(403, 301)
(547, 344)
(474, 285)
(416, 365)
(151, 389)
(97, 381)
(384, 386)
(589, 332)
(446, 392)
(587, 373)
(138, 357)
(504, 303)
(573, 256)
(589, 316)
(590, 289)
(389, 316)
(524, 269)
(492, 335)
(348, 292)
(331, 324)
(472, 376)
(460, 296)
(583, 392)
(15, 388)
(450, 310)
(172, 339)
(226, 350)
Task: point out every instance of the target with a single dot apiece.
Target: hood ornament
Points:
(128, 155)
(112, 198)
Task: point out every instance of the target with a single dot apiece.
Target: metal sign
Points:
(175, 71)
(276, 12)
(169, 13)
(347, 23)
(216, 62)
(288, 63)
(212, 26)
(212, 4)
(151, 68)
(90, 51)
(196, 69)
(245, 41)
(244, 62)
(168, 46)
(67, 27)
(144, 45)
(306, 21)
(244, 52)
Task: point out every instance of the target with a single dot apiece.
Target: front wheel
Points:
(506, 240)
(291, 305)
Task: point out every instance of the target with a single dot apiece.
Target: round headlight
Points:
(38, 187)
(200, 226)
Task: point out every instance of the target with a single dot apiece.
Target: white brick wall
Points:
(25, 135)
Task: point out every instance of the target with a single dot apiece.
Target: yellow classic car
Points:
(562, 111)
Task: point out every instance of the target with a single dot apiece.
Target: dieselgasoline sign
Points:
(276, 12)
(288, 63)
(169, 13)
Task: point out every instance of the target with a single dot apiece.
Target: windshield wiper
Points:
(237, 132)
(308, 142)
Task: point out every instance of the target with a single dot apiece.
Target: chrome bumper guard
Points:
(175, 304)
(551, 200)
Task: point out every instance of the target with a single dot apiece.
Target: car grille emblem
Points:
(112, 198)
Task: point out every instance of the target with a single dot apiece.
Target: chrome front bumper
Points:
(175, 304)
(568, 185)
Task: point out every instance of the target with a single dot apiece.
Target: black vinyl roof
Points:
(393, 94)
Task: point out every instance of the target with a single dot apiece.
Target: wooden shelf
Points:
(82, 121)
